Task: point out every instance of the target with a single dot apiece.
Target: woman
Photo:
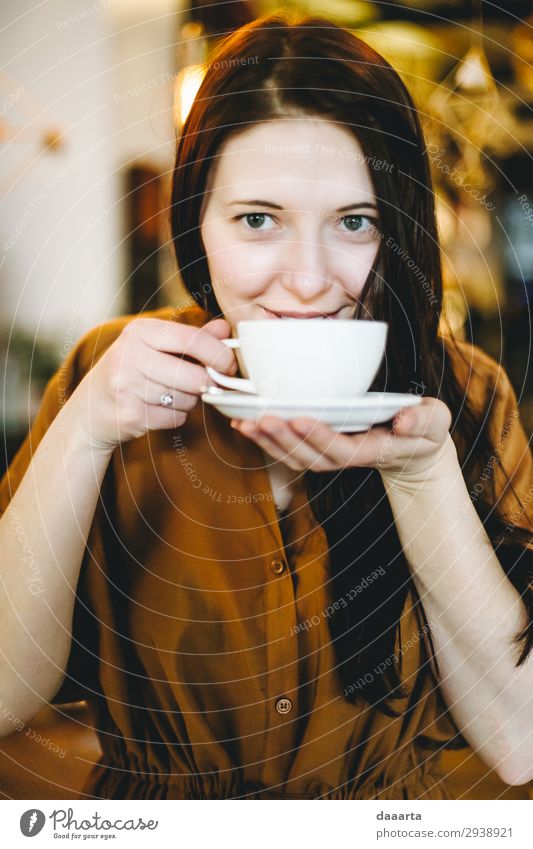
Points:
(278, 610)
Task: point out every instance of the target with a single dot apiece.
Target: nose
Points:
(304, 273)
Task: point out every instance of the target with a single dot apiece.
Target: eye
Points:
(363, 225)
(254, 219)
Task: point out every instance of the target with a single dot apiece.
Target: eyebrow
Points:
(271, 205)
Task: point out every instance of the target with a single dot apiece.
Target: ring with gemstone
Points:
(166, 399)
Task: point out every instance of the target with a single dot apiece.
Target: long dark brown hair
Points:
(277, 68)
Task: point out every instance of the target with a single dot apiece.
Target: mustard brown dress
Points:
(200, 633)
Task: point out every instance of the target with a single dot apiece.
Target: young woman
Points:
(277, 610)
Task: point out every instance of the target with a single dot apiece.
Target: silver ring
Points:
(166, 399)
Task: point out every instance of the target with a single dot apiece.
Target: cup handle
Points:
(241, 384)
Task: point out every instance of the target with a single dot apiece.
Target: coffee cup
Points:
(292, 358)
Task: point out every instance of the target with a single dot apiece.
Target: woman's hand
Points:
(120, 397)
(418, 438)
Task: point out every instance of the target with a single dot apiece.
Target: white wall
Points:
(100, 71)
(144, 48)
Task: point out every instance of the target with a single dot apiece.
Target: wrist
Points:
(75, 425)
(441, 465)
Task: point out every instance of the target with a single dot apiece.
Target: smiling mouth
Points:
(272, 314)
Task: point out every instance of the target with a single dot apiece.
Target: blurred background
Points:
(92, 95)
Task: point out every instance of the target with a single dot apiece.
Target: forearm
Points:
(473, 611)
(42, 538)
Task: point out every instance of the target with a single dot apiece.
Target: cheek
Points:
(355, 268)
(233, 281)
(241, 270)
(221, 258)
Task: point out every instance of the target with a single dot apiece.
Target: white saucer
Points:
(342, 415)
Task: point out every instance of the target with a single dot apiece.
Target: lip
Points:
(300, 315)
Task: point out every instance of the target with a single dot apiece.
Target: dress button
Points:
(283, 705)
(277, 566)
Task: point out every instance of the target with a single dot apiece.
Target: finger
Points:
(343, 450)
(289, 447)
(173, 373)
(175, 338)
(152, 394)
(218, 327)
(163, 418)
(251, 432)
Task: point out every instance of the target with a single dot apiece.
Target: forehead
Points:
(303, 153)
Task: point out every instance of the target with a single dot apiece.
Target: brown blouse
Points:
(200, 634)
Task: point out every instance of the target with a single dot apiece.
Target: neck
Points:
(282, 479)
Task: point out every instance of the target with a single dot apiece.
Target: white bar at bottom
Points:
(255, 824)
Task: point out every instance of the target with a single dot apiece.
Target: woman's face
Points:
(289, 221)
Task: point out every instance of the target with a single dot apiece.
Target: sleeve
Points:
(80, 680)
(503, 479)
(57, 392)
(507, 509)
(511, 462)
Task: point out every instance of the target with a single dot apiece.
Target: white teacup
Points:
(306, 358)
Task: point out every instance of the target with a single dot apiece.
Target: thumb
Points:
(221, 329)
(218, 327)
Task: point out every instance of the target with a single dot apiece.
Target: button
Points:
(277, 566)
(283, 705)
